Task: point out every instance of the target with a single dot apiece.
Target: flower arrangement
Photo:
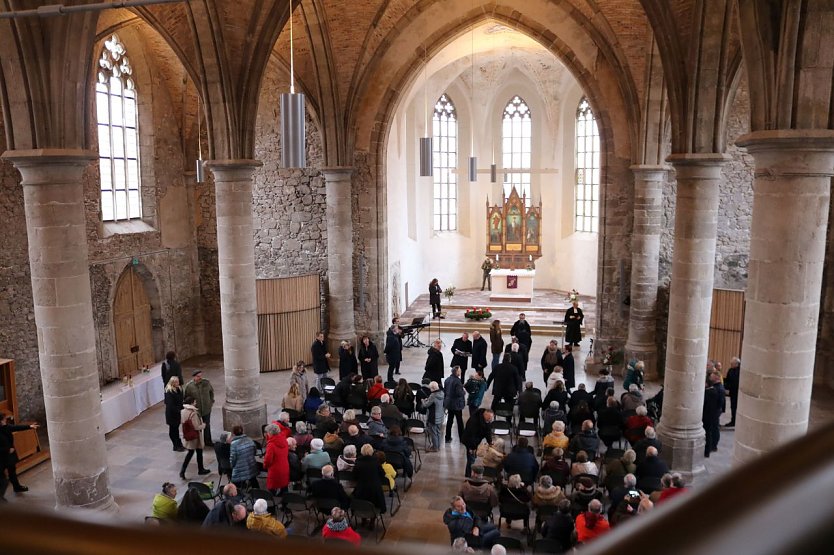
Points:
(449, 292)
(612, 357)
(573, 295)
(478, 313)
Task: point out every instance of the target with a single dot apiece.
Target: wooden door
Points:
(132, 321)
(726, 327)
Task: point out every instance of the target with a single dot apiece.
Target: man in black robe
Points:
(461, 351)
(434, 362)
(521, 329)
(394, 348)
(714, 404)
(573, 324)
(731, 382)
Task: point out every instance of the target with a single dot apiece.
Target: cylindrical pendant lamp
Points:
(293, 138)
(426, 163)
(493, 173)
(473, 169)
(201, 172)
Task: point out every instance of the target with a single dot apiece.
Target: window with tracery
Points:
(445, 163)
(517, 145)
(118, 135)
(587, 169)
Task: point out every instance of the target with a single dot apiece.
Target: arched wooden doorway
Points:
(132, 320)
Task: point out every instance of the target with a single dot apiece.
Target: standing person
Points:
(568, 368)
(321, 358)
(461, 351)
(506, 382)
(455, 400)
(714, 404)
(394, 348)
(173, 408)
(299, 377)
(8, 454)
(551, 358)
(521, 330)
(434, 416)
(486, 267)
(192, 424)
(347, 360)
(573, 324)
(479, 352)
(475, 386)
(242, 457)
(731, 382)
(434, 362)
(171, 367)
(276, 460)
(478, 428)
(201, 390)
(496, 341)
(368, 358)
(434, 298)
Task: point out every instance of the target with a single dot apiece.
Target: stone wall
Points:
(735, 211)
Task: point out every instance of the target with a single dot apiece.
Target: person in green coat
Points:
(202, 391)
(165, 503)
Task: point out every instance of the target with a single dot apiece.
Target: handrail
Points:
(780, 503)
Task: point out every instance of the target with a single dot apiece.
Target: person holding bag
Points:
(192, 425)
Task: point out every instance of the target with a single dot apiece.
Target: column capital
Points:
(233, 169)
(40, 156)
(338, 173)
(705, 159)
(645, 168)
(791, 152)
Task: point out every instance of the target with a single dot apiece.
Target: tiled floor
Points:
(140, 457)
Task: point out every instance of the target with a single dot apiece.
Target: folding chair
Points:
(418, 460)
(510, 544)
(255, 494)
(502, 428)
(481, 509)
(205, 491)
(361, 509)
(545, 545)
(291, 504)
(398, 462)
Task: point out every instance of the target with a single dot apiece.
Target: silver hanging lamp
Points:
(426, 154)
(473, 160)
(201, 170)
(293, 132)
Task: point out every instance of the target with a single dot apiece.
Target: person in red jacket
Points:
(338, 527)
(276, 460)
(591, 523)
(377, 390)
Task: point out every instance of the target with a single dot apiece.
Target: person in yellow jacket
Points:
(259, 520)
(165, 504)
(387, 469)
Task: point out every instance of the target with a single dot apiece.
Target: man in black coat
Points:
(521, 329)
(580, 395)
(321, 364)
(479, 352)
(461, 351)
(478, 428)
(731, 382)
(329, 488)
(434, 362)
(394, 348)
(714, 404)
(651, 470)
(568, 368)
(505, 382)
(171, 367)
(8, 455)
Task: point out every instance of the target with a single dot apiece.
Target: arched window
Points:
(517, 144)
(445, 160)
(587, 169)
(118, 136)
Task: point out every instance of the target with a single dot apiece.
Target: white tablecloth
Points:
(121, 403)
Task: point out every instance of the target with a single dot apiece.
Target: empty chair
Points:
(365, 510)
(510, 544)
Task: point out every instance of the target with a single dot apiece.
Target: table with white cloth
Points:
(122, 403)
(512, 285)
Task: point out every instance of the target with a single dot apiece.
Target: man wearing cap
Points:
(202, 391)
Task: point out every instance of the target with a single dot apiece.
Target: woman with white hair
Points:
(557, 437)
(515, 492)
(276, 459)
(347, 360)
(260, 520)
(347, 459)
(434, 416)
(348, 420)
(302, 436)
(546, 493)
(316, 458)
(494, 455)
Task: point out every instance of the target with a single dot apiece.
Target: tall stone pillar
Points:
(339, 257)
(238, 308)
(791, 195)
(645, 257)
(690, 304)
(56, 227)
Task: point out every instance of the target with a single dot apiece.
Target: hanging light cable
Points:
(293, 133)
(493, 168)
(426, 155)
(201, 172)
(473, 161)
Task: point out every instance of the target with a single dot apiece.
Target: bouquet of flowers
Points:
(612, 357)
(573, 295)
(478, 313)
(449, 292)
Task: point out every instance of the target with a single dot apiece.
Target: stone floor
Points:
(140, 456)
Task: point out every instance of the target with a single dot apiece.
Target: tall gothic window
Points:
(517, 142)
(118, 136)
(587, 169)
(445, 160)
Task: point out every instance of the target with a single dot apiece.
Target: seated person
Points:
(461, 523)
(560, 527)
(226, 514)
(377, 389)
(324, 417)
(579, 413)
(302, 436)
(260, 520)
(616, 469)
(650, 471)
(332, 440)
(376, 427)
(477, 490)
(546, 493)
(586, 440)
(388, 470)
(355, 437)
(338, 527)
(557, 437)
(390, 410)
(672, 486)
(522, 461)
(556, 465)
(296, 470)
(348, 420)
(636, 424)
(552, 413)
(313, 401)
(584, 492)
(347, 459)
(583, 466)
(515, 493)
(610, 422)
(329, 488)
(493, 453)
(395, 443)
(165, 503)
(316, 458)
(591, 522)
(650, 440)
(230, 493)
(632, 399)
(627, 508)
(192, 509)
(618, 492)
(581, 394)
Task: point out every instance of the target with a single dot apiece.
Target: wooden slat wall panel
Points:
(726, 329)
(289, 312)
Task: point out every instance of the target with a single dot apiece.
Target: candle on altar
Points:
(531, 258)
(497, 257)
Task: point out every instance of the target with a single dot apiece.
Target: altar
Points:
(512, 286)
(121, 403)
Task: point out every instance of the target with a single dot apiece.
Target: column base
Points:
(67, 492)
(252, 419)
(683, 454)
(646, 353)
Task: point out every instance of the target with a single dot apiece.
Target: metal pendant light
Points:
(293, 132)
(493, 173)
(201, 170)
(473, 160)
(426, 154)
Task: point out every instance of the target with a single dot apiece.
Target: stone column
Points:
(690, 304)
(57, 230)
(645, 256)
(238, 308)
(339, 257)
(791, 194)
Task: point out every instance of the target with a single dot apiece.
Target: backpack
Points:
(473, 387)
(189, 432)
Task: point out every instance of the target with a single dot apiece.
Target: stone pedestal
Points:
(690, 304)
(57, 231)
(791, 200)
(645, 256)
(339, 259)
(238, 307)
